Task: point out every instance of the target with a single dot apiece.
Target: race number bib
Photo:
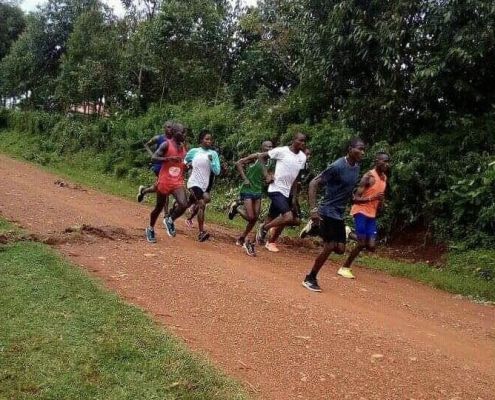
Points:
(174, 171)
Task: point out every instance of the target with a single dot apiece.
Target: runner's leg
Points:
(250, 208)
(160, 203)
(362, 225)
(328, 248)
(201, 214)
(181, 203)
(149, 189)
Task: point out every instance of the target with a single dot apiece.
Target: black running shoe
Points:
(233, 209)
(261, 235)
(203, 236)
(140, 195)
(249, 249)
(311, 284)
(169, 226)
(150, 235)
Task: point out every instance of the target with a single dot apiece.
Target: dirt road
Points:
(377, 337)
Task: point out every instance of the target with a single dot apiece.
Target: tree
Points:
(12, 23)
(181, 53)
(265, 52)
(90, 68)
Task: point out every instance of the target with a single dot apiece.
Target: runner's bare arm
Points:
(152, 142)
(294, 191)
(312, 192)
(366, 181)
(240, 166)
(158, 155)
(262, 158)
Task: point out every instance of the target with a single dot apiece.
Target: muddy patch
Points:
(74, 234)
(63, 184)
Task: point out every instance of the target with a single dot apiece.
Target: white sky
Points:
(30, 5)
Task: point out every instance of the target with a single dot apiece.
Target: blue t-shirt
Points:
(339, 179)
(157, 165)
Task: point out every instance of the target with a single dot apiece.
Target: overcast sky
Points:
(30, 5)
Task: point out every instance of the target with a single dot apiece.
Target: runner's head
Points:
(205, 138)
(178, 133)
(267, 145)
(299, 142)
(167, 129)
(355, 150)
(382, 162)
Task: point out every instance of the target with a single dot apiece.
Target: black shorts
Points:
(332, 230)
(196, 194)
(279, 205)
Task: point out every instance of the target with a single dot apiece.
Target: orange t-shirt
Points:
(370, 208)
(171, 175)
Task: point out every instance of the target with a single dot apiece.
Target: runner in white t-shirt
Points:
(282, 191)
(204, 161)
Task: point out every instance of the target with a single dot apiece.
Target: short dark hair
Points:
(382, 153)
(299, 133)
(177, 128)
(355, 141)
(202, 133)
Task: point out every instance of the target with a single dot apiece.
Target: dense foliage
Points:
(414, 77)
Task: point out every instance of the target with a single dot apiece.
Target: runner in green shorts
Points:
(255, 179)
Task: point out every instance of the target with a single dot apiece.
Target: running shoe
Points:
(249, 248)
(345, 272)
(233, 209)
(272, 247)
(140, 195)
(169, 226)
(311, 229)
(261, 235)
(150, 235)
(311, 284)
(189, 223)
(240, 241)
(203, 236)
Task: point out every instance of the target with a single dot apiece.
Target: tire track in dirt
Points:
(377, 337)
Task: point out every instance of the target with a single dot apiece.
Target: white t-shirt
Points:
(286, 170)
(202, 167)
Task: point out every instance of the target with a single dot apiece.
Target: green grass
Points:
(63, 337)
(467, 273)
(459, 276)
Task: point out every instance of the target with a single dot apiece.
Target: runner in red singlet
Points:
(170, 180)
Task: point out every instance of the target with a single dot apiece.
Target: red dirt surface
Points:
(377, 337)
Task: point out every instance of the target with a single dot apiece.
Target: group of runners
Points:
(274, 172)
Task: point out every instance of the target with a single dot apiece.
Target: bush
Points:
(443, 181)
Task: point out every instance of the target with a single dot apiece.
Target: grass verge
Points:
(454, 277)
(64, 337)
(470, 273)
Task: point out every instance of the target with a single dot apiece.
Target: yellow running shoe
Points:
(345, 272)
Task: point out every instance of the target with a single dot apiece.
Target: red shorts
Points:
(167, 189)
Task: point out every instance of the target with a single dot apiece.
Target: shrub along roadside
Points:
(65, 337)
(443, 181)
(470, 273)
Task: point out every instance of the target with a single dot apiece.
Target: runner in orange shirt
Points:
(368, 200)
